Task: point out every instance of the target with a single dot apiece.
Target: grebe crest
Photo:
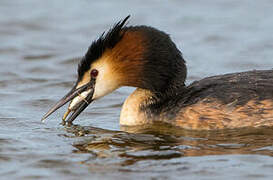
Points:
(146, 58)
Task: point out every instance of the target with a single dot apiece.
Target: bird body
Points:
(220, 102)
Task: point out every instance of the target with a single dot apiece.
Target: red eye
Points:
(94, 73)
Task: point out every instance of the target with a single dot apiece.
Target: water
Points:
(41, 43)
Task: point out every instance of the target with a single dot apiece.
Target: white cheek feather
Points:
(78, 99)
(105, 82)
(103, 88)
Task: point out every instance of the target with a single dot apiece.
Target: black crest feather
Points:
(97, 48)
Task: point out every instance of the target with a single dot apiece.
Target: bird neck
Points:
(131, 113)
(144, 106)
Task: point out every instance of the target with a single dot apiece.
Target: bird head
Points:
(137, 56)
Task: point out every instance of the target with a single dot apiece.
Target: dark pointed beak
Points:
(70, 96)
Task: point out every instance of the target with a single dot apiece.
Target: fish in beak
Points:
(80, 98)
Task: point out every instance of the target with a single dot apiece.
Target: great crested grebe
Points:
(146, 58)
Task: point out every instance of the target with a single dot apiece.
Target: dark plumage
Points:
(164, 65)
(235, 88)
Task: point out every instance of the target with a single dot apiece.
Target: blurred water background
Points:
(41, 43)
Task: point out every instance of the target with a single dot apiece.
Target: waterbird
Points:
(146, 58)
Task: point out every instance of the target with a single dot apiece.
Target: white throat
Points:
(131, 115)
